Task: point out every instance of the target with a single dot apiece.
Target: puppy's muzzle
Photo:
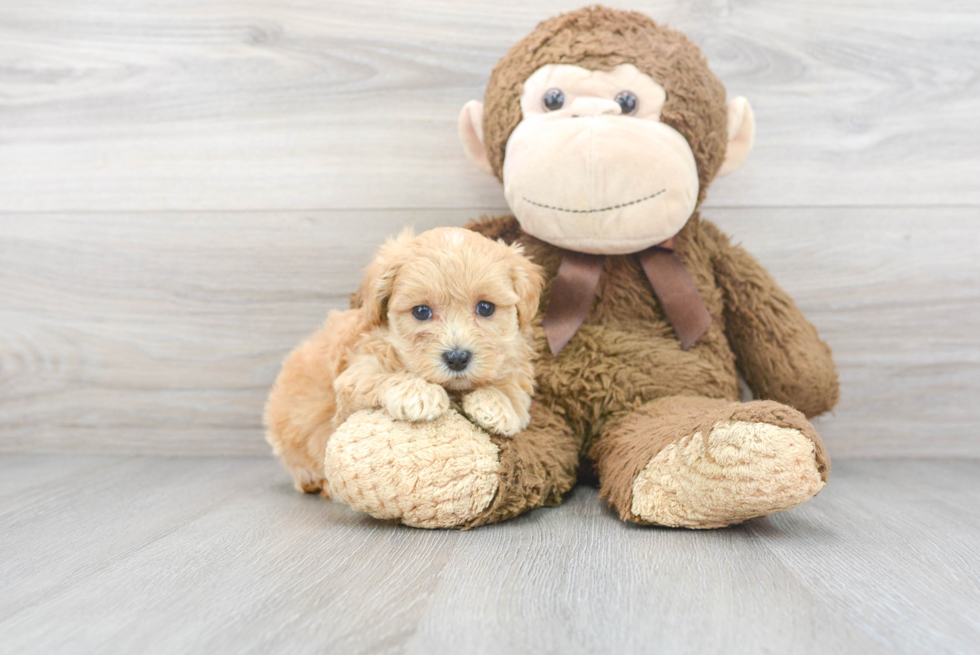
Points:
(457, 360)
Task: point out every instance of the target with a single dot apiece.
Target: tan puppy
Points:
(446, 313)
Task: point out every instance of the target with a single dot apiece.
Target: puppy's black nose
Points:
(457, 360)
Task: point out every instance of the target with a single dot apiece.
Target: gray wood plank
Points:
(245, 569)
(954, 483)
(889, 547)
(96, 515)
(297, 105)
(588, 583)
(163, 332)
(217, 555)
(26, 472)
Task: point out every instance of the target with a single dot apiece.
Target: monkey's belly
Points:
(605, 371)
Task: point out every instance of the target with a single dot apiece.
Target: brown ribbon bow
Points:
(578, 279)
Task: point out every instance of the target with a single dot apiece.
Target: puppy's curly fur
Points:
(381, 355)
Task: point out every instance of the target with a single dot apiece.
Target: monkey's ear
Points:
(528, 280)
(379, 279)
(471, 133)
(741, 132)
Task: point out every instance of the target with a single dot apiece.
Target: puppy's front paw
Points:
(416, 400)
(494, 411)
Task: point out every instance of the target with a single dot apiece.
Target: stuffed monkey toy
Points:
(606, 130)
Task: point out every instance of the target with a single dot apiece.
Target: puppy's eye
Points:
(484, 308)
(554, 99)
(627, 102)
(422, 312)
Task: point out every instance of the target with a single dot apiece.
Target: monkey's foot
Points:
(736, 471)
(692, 462)
(427, 474)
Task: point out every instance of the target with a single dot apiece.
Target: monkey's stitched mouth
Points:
(593, 211)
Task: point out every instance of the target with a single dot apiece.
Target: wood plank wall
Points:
(187, 188)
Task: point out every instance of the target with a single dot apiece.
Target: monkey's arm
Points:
(778, 351)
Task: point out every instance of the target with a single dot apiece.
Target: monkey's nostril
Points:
(457, 359)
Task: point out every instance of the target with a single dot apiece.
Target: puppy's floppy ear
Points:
(379, 279)
(528, 280)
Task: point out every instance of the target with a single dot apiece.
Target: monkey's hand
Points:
(414, 399)
(493, 410)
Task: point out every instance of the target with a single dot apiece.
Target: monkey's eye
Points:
(553, 99)
(627, 102)
(422, 312)
(484, 308)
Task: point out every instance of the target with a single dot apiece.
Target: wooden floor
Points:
(219, 555)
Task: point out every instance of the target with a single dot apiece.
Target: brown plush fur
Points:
(622, 386)
(379, 355)
(598, 38)
(626, 356)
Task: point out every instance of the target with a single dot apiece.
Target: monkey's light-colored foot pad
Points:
(740, 470)
(428, 474)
